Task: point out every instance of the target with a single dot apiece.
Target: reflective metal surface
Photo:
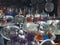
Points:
(8, 31)
(54, 26)
(19, 19)
(8, 19)
(47, 42)
(49, 7)
(30, 27)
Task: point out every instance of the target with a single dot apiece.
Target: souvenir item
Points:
(30, 40)
(22, 37)
(38, 37)
(51, 35)
(47, 42)
(36, 18)
(9, 31)
(11, 12)
(29, 16)
(43, 16)
(29, 19)
(3, 20)
(49, 6)
(30, 26)
(7, 19)
(45, 37)
(19, 19)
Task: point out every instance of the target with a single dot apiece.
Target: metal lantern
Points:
(9, 31)
(49, 7)
(19, 19)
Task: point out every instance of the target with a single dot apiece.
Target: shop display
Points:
(28, 29)
(28, 22)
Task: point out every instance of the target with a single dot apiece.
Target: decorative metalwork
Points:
(8, 31)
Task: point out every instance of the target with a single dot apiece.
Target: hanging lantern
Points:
(49, 6)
